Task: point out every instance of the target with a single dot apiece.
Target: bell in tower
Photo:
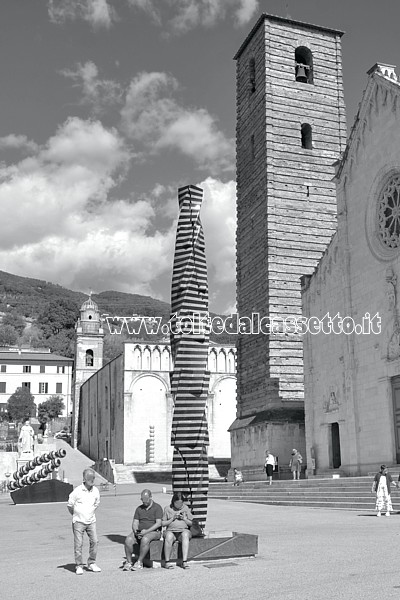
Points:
(301, 73)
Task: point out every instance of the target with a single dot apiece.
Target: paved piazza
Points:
(304, 554)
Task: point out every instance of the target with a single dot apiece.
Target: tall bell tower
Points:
(88, 353)
(291, 127)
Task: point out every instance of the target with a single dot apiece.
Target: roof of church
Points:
(266, 16)
(380, 73)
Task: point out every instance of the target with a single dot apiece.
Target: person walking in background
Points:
(237, 477)
(269, 465)
(82, 504)
(381, 486)
(295, 463)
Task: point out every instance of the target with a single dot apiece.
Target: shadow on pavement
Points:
(69, 567)
(114, 537)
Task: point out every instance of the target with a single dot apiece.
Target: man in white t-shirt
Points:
(82, 504)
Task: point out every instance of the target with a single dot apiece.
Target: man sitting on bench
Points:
(146, 527)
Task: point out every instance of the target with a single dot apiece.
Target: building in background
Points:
(88, 353)
(126, 407)
(43, 373)
(291, 127)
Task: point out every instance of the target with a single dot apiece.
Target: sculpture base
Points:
(210, 547)
(45, 491)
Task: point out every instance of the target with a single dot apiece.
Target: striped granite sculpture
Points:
(189, 344)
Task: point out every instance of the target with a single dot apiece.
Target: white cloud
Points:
(99, 93)
(218, 216)
(183, 15)
(151, 115)
(179, 16)
(245, 11)
(98, 13)
(57, 221)
(18, 142)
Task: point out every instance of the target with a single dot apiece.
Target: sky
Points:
(108, 106)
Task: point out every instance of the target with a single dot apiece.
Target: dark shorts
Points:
(269, 470)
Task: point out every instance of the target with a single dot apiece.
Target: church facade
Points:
(126, 407)
(291, 127)
(352, 367)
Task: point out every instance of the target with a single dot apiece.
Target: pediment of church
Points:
(382, 93)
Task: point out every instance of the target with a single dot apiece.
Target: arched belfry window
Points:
(89, 359)
(252, 75)
(303, 65)
(306, 136)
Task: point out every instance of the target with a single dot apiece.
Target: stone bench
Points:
(212, 547)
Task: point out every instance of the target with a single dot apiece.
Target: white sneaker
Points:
(93, 567)
(387, 514)
(79, 570)
(379, 514)
(138, 565)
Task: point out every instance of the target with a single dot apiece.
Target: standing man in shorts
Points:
(146, 527)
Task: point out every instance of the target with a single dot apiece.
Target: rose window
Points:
(389, 214)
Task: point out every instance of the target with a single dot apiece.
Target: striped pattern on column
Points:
(189, 346)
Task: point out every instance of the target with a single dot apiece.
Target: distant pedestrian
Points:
(82, 504)
(237, 477)
(295, 463)
(381, 486)
(269, 465)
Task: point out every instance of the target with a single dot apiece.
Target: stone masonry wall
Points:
(286, 200)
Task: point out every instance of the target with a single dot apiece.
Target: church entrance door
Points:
(336, 458)
(396, 414)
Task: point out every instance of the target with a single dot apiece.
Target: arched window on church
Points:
(137, 361)
(303, 65)
(146, 359)
(89, 358)
(231, 362)
(212, 361)
(156, 360)
(306, 136)
(165, 366)
(221, 361)
(252, 75)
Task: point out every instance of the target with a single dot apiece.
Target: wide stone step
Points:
(306, 483)
(351, 493)
(298, 493)
(328, 498)
(369, 506)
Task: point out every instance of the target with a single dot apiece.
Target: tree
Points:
(21, 405)
(33, 336)
(15, 320)
(62, 344)
(57, 316)
(8, 335)
(51, 408)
